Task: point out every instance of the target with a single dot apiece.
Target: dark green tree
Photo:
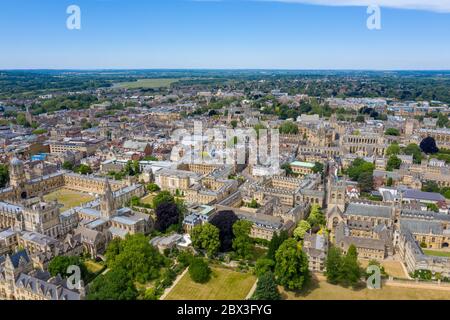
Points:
(199, 270)
(267, 288)
(242, 243)
(333, 265)
(116, 284)
(351, 272)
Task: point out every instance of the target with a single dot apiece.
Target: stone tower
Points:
(17, 178)
(107, 207)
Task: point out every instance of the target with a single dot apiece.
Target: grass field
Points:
(68, 198)
(93, 266)
(147, 84)
(224, 285)
(321, 290)
(148, 199)
(392, 268)
(436, 253)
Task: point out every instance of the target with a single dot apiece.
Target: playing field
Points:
(146, 84)
(322, 290)
(68, 198)
(436, 253)
(224, 285)
(392, 268)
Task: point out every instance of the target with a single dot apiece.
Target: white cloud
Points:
(429, 5)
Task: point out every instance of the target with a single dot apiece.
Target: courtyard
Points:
(68, 198)
(224, 284)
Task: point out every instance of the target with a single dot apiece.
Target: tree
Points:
(430, 186)
(162, 197)
(267, 288)
(389, 182)
(242, 244)
(318, 167)
(432, 207)
(4, 175)
(253, 204)
(264, 265)
(83, 169)
(167, 214)
(393, 162)
(67, 165)
(206, 237)
(392, 132)
(358, 167)
(234, 124)
(224, 221)
(275, 243)
(291, 265)
(114, 285)
(350, 274)
(21, 119)
(153, 187)
(365, 181)
(199, 270)
(288, 127)
(302, 229)
(59, 264)
(333, 265)
(413, 149)
(393, 149)
(316, 217)
(135, 255)
(428, 145)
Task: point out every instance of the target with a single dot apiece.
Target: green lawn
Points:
(93, 266)
(148, 199)
(224, 285)
(322, 290)
(68, 198)
(436, 253)
(147, 84)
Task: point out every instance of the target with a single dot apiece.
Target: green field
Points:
(68, 198)
(436, 253)
(319, 289)
(224, 285)
(148, 199)
(92, 266)
(147, 84)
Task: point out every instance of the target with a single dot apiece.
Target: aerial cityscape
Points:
(203, 169)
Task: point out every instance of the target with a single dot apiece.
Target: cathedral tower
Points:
(107, 206)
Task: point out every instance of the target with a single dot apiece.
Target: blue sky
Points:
(219, 34)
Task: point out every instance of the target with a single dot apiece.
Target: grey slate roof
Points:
(368, 210)
(421, 195)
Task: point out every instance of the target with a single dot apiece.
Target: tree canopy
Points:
(224, 221)
(291, 267)
(242, 243)
(206, 237)
(117, 284)
(428, 145)
(267, 288)
(137, 256)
